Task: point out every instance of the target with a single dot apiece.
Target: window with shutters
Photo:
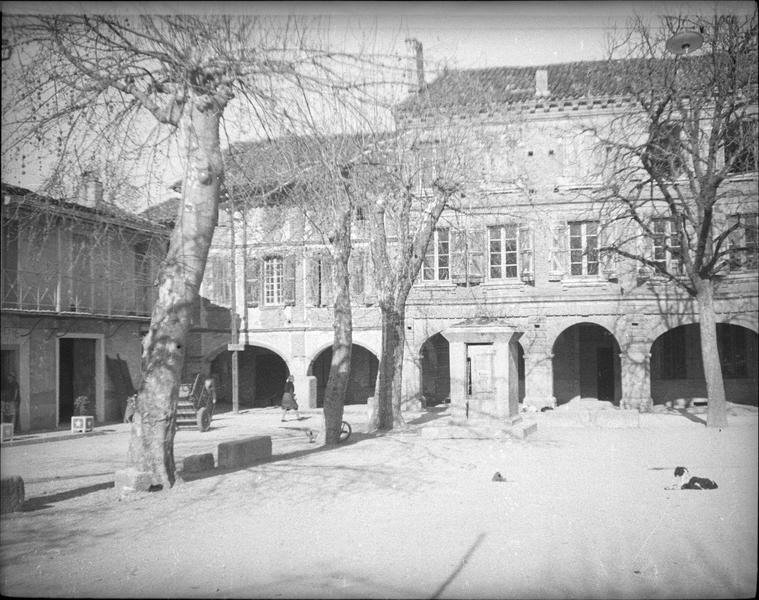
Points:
(356, 269)
(218, 284)
(426, 157)
(437, 262)
(744, 242)
(557, 258)
(503, 251)
(319, 280)
(273, 280)
(667, 248)
(252, 281)
(664, 150)
(741, 146)
(583, 248)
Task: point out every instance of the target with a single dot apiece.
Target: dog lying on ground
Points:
(683, 481)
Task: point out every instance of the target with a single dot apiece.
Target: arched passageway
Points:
(435, 370)
(677, 368)
(586, 364)
(261, 377)
(363, 375)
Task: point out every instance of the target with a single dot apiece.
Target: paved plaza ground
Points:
(583, 513)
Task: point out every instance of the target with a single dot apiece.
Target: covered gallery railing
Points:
(56, 293)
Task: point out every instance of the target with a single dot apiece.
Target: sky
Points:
(458, 35)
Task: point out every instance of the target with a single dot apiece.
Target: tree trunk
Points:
(715, 385)
(400, 345)
(340, 369)
(387, 379)
(151, 447)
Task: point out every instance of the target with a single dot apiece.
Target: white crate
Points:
(6, 432)
(81, 424)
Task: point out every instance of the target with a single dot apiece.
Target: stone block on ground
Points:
(241, 453)
(196, 463)
(523, 429)
(132, 480)
(6, 432)
(11, 494)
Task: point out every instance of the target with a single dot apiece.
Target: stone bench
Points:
(245, 452)
(11, 494)
(196, 463)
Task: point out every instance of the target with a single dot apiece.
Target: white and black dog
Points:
(683, 481)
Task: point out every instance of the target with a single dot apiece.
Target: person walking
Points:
(11, 400)
(288, 399)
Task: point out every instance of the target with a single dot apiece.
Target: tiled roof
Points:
(103, 209)
(164, 212)
(566, 82)
(260, 167)
(287, 159)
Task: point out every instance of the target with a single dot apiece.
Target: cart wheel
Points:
(345, 431)
(204, 419)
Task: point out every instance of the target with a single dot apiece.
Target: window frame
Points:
(744, 260)
(671, 260)
(748, 155)
(273, 281)
(503, 253)
(434, 256)
(585, 263)
(665, 150)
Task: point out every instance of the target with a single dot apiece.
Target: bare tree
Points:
(674, 164)
(311, 176)
(107, 84)
(408, 179)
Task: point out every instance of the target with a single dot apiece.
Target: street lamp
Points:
(685, 42)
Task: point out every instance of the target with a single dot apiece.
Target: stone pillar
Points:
(635, 363)
(412, 392)
(538, 379)
(457, 353)
(501, 380)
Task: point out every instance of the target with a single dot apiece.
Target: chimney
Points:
(91, 190)
(541, 83)
(417, 65)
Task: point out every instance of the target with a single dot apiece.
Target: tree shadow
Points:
(433, 413)
(41, 502)
(691, 417)
(217, 471)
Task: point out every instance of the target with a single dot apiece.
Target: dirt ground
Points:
(583, 513)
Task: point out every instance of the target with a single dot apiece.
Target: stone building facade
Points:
(77, 293)
(513, 305)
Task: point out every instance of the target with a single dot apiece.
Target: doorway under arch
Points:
(435, 370)
(677, 367)
(364, 365)
(586, 364)
(261, 377)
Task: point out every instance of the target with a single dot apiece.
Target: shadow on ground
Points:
(40, 502)
(311, 449)
(432, 413)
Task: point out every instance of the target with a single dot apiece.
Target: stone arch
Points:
(586, 364)
(261, 375)
(435, 370)
(364, 365)
(677, 366)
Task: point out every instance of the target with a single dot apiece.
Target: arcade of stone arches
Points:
(584, 363)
